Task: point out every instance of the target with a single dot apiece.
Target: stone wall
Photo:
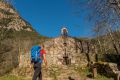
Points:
(55, 50)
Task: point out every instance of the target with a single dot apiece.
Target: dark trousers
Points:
(37, 71)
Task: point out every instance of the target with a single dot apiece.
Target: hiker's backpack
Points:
(35, 54)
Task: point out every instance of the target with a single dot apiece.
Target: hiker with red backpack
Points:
(38, 55)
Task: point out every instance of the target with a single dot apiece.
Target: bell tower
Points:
(66, 59)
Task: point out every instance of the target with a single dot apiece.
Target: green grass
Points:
(84, 72)
(100, 77)
(12, 77)
(54, 73)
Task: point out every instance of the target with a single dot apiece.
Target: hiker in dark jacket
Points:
(37, 65)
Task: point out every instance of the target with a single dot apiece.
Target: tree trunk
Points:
(113, 41)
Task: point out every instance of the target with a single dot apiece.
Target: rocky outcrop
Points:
(10, 19)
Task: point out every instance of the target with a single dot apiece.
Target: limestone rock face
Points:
(10, 19)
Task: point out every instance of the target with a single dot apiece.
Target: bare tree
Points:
(103, 13)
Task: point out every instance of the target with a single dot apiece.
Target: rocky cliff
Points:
(10, 19)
